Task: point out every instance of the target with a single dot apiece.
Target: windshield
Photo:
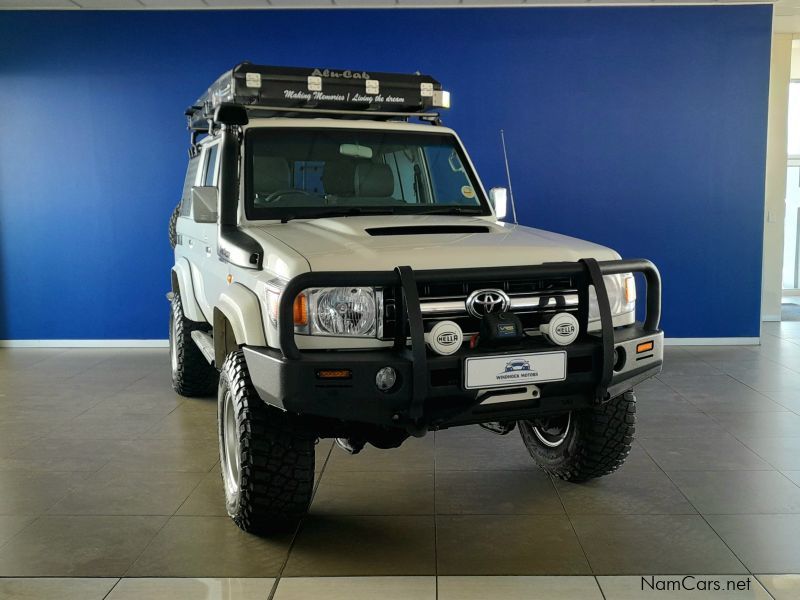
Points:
(303, 173)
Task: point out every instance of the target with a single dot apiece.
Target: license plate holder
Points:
(510, 370)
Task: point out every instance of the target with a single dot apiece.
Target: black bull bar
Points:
(584, 273)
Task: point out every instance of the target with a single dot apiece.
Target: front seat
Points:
(270, 174)
(373, 180)
(337, 178)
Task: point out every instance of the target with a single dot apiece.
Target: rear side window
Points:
(211, 165)
(191, 175)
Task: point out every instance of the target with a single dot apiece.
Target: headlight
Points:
(338, 311)
(621, 295)
(345, 311)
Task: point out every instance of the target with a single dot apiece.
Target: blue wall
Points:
(640, 128)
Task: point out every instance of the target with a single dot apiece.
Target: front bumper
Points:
(430, 391)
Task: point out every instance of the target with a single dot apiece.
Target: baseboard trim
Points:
(84, 343)
(721, 341)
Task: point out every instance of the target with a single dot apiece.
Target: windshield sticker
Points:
(467, 192)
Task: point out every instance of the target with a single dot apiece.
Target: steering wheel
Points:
(278, 193)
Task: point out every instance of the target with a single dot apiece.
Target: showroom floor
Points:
(110, 481)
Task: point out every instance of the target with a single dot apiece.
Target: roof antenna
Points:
(508, 176)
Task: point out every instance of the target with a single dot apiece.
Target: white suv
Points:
(340, 272)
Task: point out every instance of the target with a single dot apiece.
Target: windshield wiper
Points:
(452, 210)
(353, 211)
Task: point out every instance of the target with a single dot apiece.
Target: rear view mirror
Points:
(356, 151)
(204, 204)
(498, 196)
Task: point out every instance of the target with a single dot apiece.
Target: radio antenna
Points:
(508, 176)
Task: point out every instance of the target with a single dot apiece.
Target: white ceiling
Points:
(787, 16)
(787, 12)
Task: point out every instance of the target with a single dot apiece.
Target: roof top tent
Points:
(297, 91)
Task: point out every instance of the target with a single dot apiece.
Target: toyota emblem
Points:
(482, 302)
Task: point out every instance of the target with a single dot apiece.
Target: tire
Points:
(192, 376)
(267, 466)
(595, 442)
(173, 226)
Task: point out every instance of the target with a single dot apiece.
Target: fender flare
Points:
(238, 321)
(182, 284)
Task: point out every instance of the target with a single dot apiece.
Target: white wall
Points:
(775, 185)
(792, 189)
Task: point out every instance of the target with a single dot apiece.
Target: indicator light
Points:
(334, 374)
(630, 289)
(300, 310)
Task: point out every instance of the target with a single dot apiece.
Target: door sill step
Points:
(205, 342)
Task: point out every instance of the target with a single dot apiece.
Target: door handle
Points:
(190, 243)
(208, 250)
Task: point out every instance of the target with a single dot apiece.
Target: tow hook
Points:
(499, 427)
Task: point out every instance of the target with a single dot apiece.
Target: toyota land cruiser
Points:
(340, 272)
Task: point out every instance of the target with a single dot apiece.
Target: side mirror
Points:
(498, 196)
(204, 204)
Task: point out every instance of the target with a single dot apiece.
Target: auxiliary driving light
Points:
(562, 329)
(385, 379)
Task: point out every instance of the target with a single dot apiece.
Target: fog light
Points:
(619, 359)
(385, 379)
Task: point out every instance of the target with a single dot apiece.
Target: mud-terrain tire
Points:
(595, 442)
(173, 226)
(267, 465)
(192, 376)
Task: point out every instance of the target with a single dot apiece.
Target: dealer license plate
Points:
(514, 369)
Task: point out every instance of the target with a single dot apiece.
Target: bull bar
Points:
(430, 391)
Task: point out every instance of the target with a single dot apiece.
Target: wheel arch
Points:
(182, 284)
(238, 321)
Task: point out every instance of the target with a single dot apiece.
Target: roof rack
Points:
(295, 91)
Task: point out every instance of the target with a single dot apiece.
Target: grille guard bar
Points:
(585, 272)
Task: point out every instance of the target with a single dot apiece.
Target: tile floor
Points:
(109, 488)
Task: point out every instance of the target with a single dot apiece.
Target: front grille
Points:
(462, 289)
(533, 301)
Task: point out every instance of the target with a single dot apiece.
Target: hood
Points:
(377, 243)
